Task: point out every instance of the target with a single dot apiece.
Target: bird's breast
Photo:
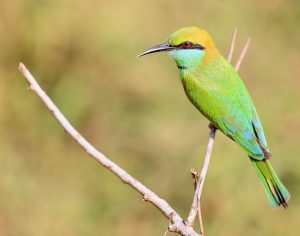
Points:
(199, 95)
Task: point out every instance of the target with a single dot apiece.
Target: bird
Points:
(215, 88)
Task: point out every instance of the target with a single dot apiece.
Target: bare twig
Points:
(176, 223)
(232, 45)
(195, 177)
(196, 206)
(200, 182)
(200, 219)
(242, 55)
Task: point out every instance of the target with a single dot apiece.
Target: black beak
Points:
(158, 48)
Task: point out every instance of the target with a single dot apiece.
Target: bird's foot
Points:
(211, 126)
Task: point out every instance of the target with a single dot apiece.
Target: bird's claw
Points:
(211, 126)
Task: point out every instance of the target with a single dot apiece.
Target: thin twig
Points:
(232, 45)
(176, 223)
(204, 171)
(200, 219)
(195, 176)
(193, 212)
(242, 55)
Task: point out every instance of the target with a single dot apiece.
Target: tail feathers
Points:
(276, 192)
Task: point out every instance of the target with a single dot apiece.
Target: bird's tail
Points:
(276, 192)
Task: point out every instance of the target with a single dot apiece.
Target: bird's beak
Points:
(158, 48)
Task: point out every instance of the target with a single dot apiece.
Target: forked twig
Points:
(200, 182)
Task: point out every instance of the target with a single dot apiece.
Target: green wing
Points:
(237, 125)
(223, 98)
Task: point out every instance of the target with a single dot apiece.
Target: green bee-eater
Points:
(216, 90)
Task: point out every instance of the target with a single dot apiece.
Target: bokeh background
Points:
(134, 110)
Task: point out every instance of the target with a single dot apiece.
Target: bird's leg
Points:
(212, 126)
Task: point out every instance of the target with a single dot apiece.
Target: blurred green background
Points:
(83, 53)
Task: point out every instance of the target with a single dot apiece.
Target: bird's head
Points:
(187, 46)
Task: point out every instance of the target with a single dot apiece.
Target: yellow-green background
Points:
(83, 53)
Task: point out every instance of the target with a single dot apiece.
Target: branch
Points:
(199, 178)
(200, 182)
(176, 223)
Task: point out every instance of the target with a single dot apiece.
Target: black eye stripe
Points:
(190, 45)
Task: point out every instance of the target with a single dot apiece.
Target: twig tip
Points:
(21, 66)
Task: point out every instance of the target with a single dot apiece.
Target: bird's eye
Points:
(187, 44)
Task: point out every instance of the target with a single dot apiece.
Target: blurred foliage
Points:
(84, 55)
